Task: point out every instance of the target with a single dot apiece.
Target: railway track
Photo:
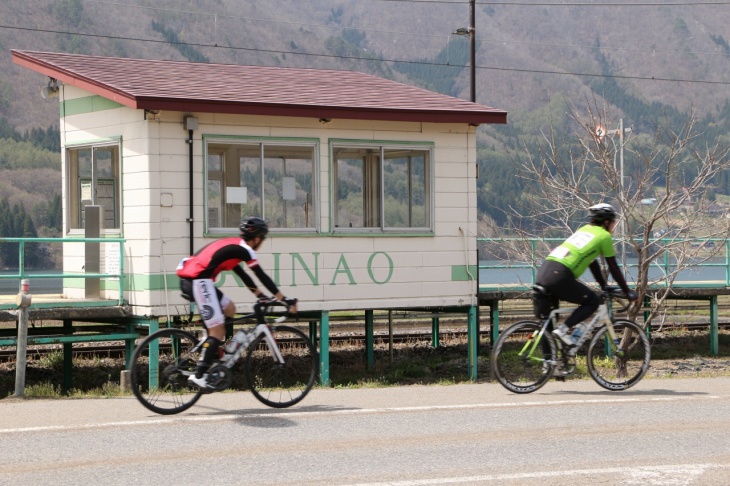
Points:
(350, 334)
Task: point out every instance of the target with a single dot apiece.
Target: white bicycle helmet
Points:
(602, 212)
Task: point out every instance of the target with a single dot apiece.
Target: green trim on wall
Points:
(132, 282)
(208, 137)
(96, 142)
(459, 273)
(79, 283)
(88, 104)
(342, 275)
(152, 282)
(360, 141)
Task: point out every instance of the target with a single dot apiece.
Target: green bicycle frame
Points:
(603, 314)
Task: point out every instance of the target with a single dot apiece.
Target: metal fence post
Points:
(21, 348)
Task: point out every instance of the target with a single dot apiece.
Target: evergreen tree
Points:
(55, 213)
(15, 222)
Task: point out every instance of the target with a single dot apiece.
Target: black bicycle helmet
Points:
(253, 227)
(602, 212)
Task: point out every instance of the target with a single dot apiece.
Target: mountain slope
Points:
(524, 53)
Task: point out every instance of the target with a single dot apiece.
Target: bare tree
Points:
(663, 198)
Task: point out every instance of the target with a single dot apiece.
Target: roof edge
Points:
(67, 77)
(472, 116)
(308, 111)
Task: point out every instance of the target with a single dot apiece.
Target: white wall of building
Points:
(155, 208)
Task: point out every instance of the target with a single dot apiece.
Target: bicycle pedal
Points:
(559, 378)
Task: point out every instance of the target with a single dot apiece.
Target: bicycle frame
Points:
(262, 327)
(602, 316)
(230, 360)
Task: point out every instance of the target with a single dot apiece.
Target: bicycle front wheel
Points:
(522, 360)
(160, 367)
(278, 384)
(619, 364)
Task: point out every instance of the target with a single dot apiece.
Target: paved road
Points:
(663, 432)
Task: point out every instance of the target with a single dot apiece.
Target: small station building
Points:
(368, 185)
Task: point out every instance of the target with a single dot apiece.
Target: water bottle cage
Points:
(585, 334)
(242, 339)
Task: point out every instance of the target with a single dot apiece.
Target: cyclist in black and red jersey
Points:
(198, 272)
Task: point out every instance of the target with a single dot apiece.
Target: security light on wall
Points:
(50, 91)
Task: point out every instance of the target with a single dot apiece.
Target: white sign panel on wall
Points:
(236, 195)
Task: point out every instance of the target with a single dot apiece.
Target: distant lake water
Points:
(504, 276)
(37, 285)
(500, 276)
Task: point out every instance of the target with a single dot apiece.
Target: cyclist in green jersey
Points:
(566, 263)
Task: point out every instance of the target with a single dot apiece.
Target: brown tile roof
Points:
(257, 90)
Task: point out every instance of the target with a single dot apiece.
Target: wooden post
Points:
(21, 348)
(92, 251)
(369, 339)
(68, 362)
(714, 330)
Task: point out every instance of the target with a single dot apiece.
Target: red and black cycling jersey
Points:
(225, 254)
(216, 257)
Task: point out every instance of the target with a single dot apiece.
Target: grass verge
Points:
(675, 353)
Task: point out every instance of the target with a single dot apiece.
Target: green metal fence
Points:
(24, 273)
(525, 255)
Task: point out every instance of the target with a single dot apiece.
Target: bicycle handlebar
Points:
(615, 292)
(262, 307)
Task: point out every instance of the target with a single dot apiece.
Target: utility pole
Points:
(471, 32)
(621, 134)
(473, 51)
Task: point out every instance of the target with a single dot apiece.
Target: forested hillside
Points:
(637, 62)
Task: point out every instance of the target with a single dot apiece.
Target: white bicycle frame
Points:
(229, 360)
(602, 315)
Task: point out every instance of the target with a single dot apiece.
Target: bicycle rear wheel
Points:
(521, 364)
(619, 368)
(160, 367)
(281, 385)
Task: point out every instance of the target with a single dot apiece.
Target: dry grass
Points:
(675, 353)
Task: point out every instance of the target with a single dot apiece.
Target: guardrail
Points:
(23, 273)
(717, 267)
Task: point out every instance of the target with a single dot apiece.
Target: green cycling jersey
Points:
(584, 246)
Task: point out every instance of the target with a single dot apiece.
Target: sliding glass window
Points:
(382, 188)
(272, 180)
(93, 179)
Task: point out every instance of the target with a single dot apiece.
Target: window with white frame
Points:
(380, 187)
(93, 179)
(272, 180)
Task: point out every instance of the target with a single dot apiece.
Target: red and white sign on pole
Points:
(600, 132)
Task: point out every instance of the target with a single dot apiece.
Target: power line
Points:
(355, 58)
(585, 4)
(217, 16)
(565, 4)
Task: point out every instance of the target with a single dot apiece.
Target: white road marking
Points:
(671, 474)
(359, 411)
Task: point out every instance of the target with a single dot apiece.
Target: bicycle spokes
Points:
(523, 357)
(619, 363)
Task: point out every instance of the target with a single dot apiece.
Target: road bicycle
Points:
(526, 355)
(280, 363)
